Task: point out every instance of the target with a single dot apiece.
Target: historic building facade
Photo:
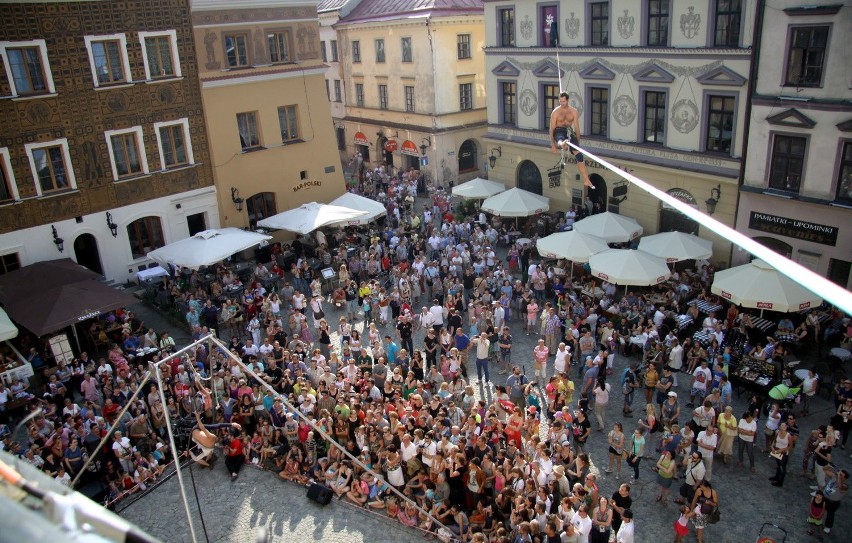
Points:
(103, 144)
(661, 87)
(415, 90)
(263, 87)
(796, 196)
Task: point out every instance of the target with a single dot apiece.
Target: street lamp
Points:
(59, 242)
(235, 197)
(113, 228)
(715, 195)
(493, 159)
(424, 144)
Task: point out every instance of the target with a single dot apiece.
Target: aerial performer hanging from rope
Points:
(564, 128)
(205, 436)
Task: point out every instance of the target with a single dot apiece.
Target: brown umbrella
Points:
(48, 296)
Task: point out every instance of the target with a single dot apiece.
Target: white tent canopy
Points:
(611, 227)
(516, 202)
(478, 188)
(207, 247)
(373, 208)
(628, 267)
(676, 246)
(308, 217)
(574, 246)
(7, 329)
(758, 285)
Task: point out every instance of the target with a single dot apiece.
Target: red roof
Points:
(384, 10)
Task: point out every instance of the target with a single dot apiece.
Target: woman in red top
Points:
(235, 457)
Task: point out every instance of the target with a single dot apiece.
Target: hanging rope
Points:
(191, 474)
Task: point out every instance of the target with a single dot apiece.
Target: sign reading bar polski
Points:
(793, 228)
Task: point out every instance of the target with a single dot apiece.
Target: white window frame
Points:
(140, 147)
(189, 154)
(125, 60)
(66, 156)
(48, 75)
(172, 34)
(10, 175)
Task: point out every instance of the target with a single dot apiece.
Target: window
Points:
(838, 271)
(337, 95)
(289, 122)
(409, 97)
(328, 90)
(108, 59)
(9, 263)
(323, 52)
(50, 163)
(600, 23)
(406, 49)
(463, 46)
(27, 67)
(356, 51)
(380, 51)
(806, 56)
(465, 96)
(260, 206)
(507, 27)
(510, 105)
(548, 26)
(550, 101)
(788, 161)
(174, 144)
(658, 22)
(279, 46)
(383, 96)
(728, 14)
(655, 117)
(247, 126)
(600, 111)
(160, 54)
(359, 94)
(334, 50)
(126, 153)
(236, 50)
(145, 235)
(8, 187)
(844, 179)
(721, 124)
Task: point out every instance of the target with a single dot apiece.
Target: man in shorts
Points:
(564, 128)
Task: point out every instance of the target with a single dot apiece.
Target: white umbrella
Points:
(677, 246)
(611, 227)
(478, 188)
(373, 208)
(516, 203)
(761, 286)
(207, 247)
(628, 267)
(574, 246)
(308, 217)
(7, 329)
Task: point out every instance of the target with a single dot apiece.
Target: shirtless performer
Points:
(565, 127)
(205, 437)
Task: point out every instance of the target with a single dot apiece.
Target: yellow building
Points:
(661, 88)
(413, 72)
(262, 80)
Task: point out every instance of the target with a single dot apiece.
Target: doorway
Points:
(87, 254)
(672, 220)
(196, 223)
(467, 157)
(598, 194)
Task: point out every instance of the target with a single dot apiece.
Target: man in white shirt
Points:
(437, 313)
(707, 441)
(710, 322)
(659, 317)
(747, 430)
(482, 345)
(626, 531)
(675, 360)
(701, 379)
(563, 355)
(582, 522)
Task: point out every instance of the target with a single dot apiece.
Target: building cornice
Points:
(821, 104)
(255, 76)
(639, 52)
(414, 127)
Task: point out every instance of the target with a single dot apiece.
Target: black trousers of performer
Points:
(234, 463)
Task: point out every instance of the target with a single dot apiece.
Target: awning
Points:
(48, 296)
(408, 148)
(361, 139)
(207, 247)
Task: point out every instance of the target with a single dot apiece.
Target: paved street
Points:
(747, 500)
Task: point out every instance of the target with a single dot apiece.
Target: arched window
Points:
(529, 177)
(145, 235)
(467, 157)
(672, 220)
(260, 206)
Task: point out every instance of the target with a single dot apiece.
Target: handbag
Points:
(319, 314)
(686, 491)
(714, 516)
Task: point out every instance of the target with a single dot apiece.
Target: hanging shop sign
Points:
(361, 139)
(408, 148)
(391, 146)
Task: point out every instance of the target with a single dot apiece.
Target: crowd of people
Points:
(419, 382)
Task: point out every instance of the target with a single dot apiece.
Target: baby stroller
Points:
(338, 298)
(769, 528)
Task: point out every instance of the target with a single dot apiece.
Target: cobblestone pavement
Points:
(233, 511)
(747, 500)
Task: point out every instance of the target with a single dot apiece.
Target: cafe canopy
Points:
(207, 247)
(308, 217)
(47, 296)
